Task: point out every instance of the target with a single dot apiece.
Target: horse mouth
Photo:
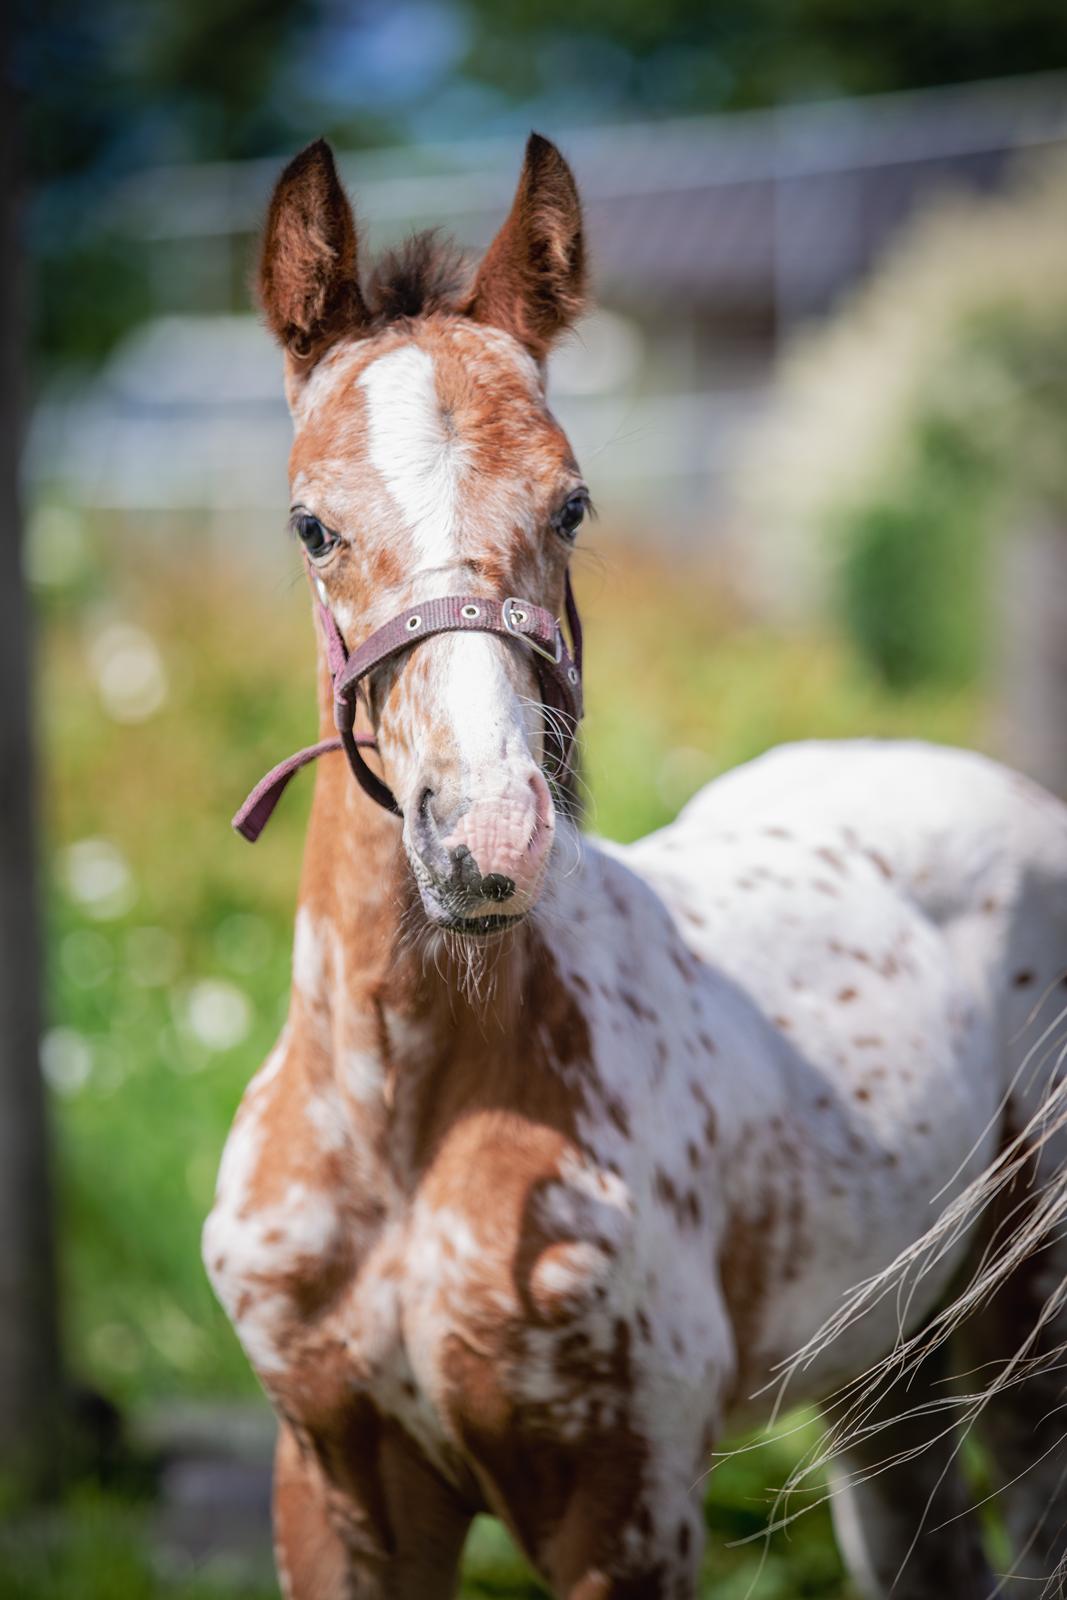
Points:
(485, 927)
(468, 913)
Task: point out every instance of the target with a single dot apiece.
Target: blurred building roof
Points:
(773, 208)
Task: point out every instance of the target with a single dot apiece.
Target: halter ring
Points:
(514, 626)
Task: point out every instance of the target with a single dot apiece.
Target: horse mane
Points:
(426, 273)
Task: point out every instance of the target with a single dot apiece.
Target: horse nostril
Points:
(465, 874)
(495, 886)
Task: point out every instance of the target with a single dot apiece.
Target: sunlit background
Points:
(821, 405)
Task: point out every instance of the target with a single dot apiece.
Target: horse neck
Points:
(389, 1005)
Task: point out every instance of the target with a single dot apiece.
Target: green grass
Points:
(99, 1548)
(148, 1064)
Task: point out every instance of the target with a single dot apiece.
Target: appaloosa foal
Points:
(564, 1146)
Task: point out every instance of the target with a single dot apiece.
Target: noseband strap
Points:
(559, 672)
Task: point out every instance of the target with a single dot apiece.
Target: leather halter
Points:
(559, 672)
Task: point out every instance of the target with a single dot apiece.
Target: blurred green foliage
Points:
(924, 422)
(99, 1549)
(912, 574)
(984, 449)
(681, 55)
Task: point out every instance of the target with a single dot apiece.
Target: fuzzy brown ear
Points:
(308, 283)
(532, 279)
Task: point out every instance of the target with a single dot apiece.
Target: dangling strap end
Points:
(250, 821)
(258, 809)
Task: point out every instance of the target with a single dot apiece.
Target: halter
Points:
(559, 673)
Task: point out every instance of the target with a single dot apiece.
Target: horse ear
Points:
(308, 282)
(532, 279)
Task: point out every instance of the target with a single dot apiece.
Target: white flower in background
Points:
(66, 1060)
(217, 1014)
(54, 552)
(96, 874)
(129, 671)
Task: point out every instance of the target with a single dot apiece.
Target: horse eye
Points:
(569, 519)
(313, 536)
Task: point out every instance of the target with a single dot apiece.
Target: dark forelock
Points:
(426, 273)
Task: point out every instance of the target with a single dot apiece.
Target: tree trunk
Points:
(29, 1354)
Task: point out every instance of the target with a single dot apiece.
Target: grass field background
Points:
(172, 673)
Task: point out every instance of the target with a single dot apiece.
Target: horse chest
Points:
(513, 1328)
(517, 1289)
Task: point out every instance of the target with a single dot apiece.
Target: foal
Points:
(565, 1146)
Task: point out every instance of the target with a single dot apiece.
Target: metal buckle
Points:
(513, 603)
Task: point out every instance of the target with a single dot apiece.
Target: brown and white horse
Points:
(566, 1146)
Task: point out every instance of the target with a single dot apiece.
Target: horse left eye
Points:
(314, 537)
(569, 519)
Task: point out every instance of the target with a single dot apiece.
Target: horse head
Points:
(427, 463)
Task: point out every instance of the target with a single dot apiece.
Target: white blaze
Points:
(418, 459)
(473, 704)
(421, 462)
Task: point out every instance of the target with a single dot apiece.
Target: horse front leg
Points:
(652, 1552)
(382, 1525)
(309, 1553)
(603, 1520)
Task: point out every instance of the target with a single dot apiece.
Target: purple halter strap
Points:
(559, 672)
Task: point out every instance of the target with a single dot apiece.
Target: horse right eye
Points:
(571, 515)
(317, 541)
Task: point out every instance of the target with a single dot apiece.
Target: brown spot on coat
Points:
(618, 1115)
